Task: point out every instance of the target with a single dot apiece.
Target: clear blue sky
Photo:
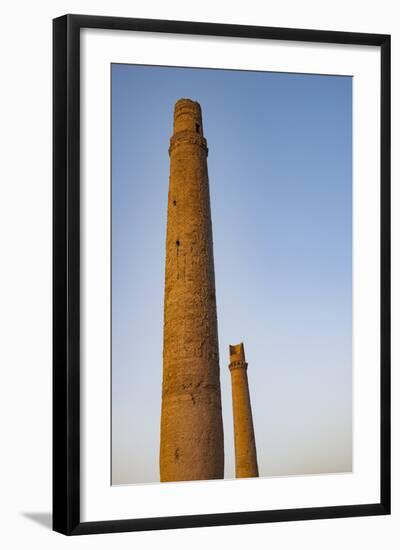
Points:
(280, 170)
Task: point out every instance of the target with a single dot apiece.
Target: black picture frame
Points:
(66, 273)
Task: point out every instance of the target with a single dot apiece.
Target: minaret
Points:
(191, 419)
(245, 444)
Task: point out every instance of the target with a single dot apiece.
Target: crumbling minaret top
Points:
(187, 116)
(236, 353)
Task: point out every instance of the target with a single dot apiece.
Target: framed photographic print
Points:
(221, 274)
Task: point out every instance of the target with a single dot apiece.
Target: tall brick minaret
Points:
(245, 443)
(191, 421)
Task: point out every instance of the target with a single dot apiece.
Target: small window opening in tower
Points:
(197, 128)
(177, 243)
(174, 203)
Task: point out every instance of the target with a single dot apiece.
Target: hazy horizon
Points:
(280, 171)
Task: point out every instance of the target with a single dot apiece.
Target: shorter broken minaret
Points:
(245, 444)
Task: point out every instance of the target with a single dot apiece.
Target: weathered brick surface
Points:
(191, 421)
(245, 444)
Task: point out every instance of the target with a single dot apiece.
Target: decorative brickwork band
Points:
(187, 137)
(192, 442)
(245, 444)
(237, 365)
